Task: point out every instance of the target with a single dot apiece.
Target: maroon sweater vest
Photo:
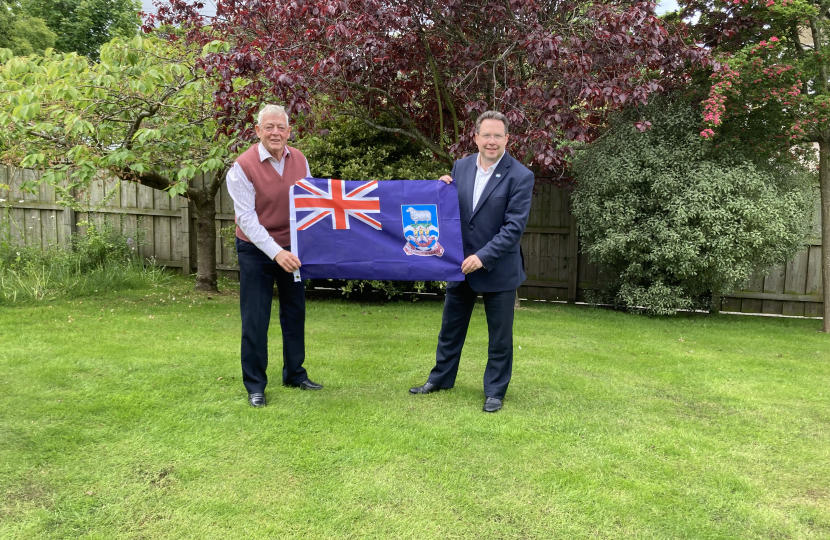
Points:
(271, 200)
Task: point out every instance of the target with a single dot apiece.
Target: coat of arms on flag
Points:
(420, 227)
(342, 229)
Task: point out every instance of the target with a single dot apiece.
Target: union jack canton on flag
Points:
(400, 230)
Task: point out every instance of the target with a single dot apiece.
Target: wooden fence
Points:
(791, 289)
(166, 225)
(556, 270)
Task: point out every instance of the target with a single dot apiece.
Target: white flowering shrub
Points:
(671, 218)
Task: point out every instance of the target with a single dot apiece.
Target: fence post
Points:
(69, 220)
(716, 303)
(184, 232)
(6, 207)
(573, 261)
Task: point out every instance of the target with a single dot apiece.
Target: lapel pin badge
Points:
(498, 176)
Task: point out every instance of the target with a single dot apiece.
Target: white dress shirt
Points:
(482, 177)
(243, 194)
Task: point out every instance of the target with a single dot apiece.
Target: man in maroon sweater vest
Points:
(259, 183)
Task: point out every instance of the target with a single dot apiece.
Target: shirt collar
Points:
(489, 169)
(265, 154)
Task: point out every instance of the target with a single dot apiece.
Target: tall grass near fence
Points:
(103, 259)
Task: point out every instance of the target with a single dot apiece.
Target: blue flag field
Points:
(400, 230)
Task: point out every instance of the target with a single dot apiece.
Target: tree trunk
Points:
(206, 245)
(824, 186)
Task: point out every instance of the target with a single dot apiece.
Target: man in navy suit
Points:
(494, 192)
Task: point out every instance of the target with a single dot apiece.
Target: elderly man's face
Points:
(273, 132)
(491, 140)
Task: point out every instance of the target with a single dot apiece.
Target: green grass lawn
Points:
(124, 416)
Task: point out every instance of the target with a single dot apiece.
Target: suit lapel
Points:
(467, 185)
(498, 175)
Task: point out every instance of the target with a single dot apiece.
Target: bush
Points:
(103, 259)
(672, 220)
(350, 150)
(392, 288)
(228, 238)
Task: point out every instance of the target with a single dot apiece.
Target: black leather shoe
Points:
(305, 385)
(256, 399)
(492, 404)
(427, 388)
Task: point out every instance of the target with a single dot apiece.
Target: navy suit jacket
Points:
(494, 228)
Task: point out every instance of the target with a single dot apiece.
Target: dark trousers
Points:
(257, 274)
(458, 307)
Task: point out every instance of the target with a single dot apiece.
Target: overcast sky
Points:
(147, 5)
(666, 5)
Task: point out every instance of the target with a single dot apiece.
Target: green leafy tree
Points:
(143, 113)
(770, 90)
(347, 148)
(83, 26)
(673, 220)
(22, 34)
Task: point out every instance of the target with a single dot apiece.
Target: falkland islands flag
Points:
(404, 230)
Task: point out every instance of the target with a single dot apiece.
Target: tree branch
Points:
(818, 47)
(154, 108)
(128, 138)
(150, 179)
(441, 89)
(416, 136)
(54, 140)
(216, 182)
(390, 100)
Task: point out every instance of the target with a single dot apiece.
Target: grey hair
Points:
(492, 115)
(269, 110)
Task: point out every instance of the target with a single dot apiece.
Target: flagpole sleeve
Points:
(295, 249)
